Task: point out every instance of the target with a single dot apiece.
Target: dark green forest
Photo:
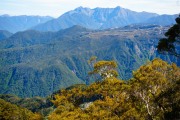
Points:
(36, 63)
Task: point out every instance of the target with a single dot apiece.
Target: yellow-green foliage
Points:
(109, 98)
(137, 99)
(9, 111)
(150, 81)
(106, 69)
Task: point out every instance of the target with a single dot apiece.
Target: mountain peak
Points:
(82, 8)
(97, 18)
(79, 8)
(118, 7)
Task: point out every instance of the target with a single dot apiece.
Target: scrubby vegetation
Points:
(9, 111)
(152, 93)
(39, 105)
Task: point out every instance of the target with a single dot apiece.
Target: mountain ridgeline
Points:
(20, 23)
(103, 18)
(4, 34)
(97, 18)
(34, 63)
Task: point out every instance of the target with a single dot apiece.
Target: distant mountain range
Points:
(103, 18)
(20, 23)
(97, 18)
(34, 63)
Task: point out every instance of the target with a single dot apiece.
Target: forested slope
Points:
(37, 63)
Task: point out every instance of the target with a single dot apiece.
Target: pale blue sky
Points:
(56, 8)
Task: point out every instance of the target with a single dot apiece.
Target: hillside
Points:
(10, 111)
(103, 18)
(38, 63)
(20, 23)
(4, 34)
(36, 104)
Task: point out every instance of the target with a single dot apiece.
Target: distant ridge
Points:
(20, 23)
(97, 18)
(162, 20)
(103, 18)
(4, 34)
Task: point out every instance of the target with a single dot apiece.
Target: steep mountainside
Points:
(103, 18)
(37, 63)
(4, 34)
(19, 23)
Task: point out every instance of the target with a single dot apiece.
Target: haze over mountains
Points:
(20, 23)
(97, 18)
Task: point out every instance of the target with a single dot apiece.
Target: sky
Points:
(55, 8)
